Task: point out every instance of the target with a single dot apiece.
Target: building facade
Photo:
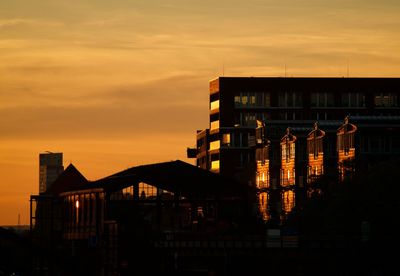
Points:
(50, 167)
(125, 223)
(238, 103)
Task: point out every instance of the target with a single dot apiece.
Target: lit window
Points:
(215, 165)
(252, 99)
(147, 191)
(237, 100)
(226, 139)
(385, 100)
(214, 105)
(215, 145)
(214, 125)
(244, 100)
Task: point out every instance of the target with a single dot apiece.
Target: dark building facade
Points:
(118, 225)
(238, 103)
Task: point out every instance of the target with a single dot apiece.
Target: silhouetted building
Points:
(113, 224)
(50, 167)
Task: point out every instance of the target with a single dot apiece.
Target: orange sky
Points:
(114, 84)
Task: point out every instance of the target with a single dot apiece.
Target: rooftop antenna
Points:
(348, 68)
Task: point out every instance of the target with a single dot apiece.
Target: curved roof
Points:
(174, 176)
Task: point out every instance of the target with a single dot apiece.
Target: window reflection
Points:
(346, 148)
(385, 99)
(147, 191)
(288, 159)
(215, 145)
(252, 99)
(214, 105)
(263, 205)
(214, 125)
(315, 154)
(353, 99)
(215, 165)
(288, 201)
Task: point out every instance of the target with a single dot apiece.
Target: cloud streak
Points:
(108, 82)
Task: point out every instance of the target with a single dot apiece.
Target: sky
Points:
(114, 84)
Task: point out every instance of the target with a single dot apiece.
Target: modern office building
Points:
(50, 167)
(238, 103)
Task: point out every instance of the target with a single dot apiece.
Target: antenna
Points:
(348, 68)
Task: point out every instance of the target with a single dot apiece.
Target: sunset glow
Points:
(114, 84)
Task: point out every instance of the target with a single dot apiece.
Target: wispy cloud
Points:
(135, 73)
(15, 21)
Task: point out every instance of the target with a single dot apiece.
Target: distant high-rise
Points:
(50, 167)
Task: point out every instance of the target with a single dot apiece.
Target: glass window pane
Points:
(313, 99)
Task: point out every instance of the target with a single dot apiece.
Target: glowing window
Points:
(215, 165)
(226, 139)
(147, 191)
(214, 105)
(214, 125)
(385, 100)
(215, 145)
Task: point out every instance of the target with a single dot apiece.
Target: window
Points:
(215, 165)
(248, 119)
(244, 100)
(214, 105)
(353, 99)
(322, 99)
(214, 125)
(215, 145)
(252, 99)
(267, 99)
(226, 139)
(289, 99)
(127, 192)
(330, 100)
(259, 99)
(147, 191)
(385, 100)
(237, 100)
